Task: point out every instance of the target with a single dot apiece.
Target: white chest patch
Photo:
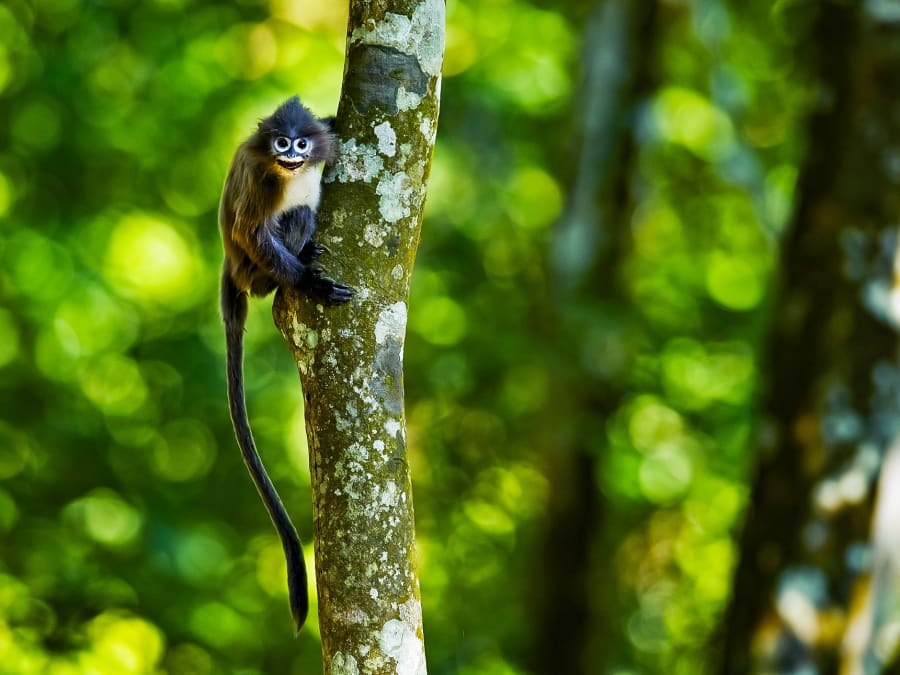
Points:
(303, 189)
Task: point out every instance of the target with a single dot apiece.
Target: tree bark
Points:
(350, 358)
(833, 361)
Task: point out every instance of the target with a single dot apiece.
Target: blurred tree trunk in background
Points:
(590, 348)
(802, 594)
(350, 358)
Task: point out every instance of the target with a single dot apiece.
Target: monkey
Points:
(267, 218)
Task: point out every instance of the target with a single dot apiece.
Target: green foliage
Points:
(132, 540)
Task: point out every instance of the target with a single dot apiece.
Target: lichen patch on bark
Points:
(359, 162)
(399, 641)
(344, 664)
(396, 194)
(407, 100)
(387, 139)
(391, 322)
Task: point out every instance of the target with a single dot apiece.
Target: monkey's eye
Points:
(281, 144)
(301, 144)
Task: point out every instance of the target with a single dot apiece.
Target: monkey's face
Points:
(292, 139)
(290, 152)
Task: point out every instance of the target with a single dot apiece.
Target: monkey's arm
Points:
(268, 250)
(284, 265)
(265, 248)
(297, 227)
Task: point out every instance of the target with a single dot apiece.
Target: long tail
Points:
(234, 312)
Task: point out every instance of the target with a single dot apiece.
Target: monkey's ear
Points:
(328, 122)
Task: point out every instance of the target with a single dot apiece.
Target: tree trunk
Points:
(833, 402)
(575, 628)
(350, 358)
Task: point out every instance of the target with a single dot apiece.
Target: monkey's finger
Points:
(341, 294)
(329, 291)
(311, 252)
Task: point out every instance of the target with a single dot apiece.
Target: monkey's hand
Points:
(311, 252)
(325, 289)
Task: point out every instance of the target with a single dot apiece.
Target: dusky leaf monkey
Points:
(268, 218)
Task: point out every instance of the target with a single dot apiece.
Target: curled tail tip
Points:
(299, 610)
(296, 578)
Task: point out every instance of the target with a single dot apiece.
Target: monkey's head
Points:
(293, 138)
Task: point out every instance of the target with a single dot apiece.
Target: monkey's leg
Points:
(288, 270)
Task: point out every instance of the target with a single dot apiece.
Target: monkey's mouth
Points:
(289, 165)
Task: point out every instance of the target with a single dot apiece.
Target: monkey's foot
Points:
(328, 290)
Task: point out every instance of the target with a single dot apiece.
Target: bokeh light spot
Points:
(151, 260)
(733, 282)
(534, 198)
(697, 375)
(440, 320)
(652, 423)
(666, 474)
(201, 556)
(220, 625)
(41, 268)
(106, 518)
(90, 321)
(312, 15)
(685, 117)
(114, 384)
(489, 518)
(185, 452)
(533, 74)
(122, 644)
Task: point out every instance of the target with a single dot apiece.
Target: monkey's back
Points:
(249, 200)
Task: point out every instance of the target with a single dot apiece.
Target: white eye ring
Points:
(301, 144)
(281, 144)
